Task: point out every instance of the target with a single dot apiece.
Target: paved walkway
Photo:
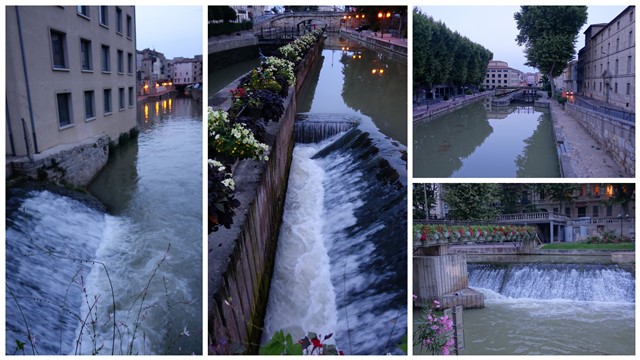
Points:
(605, 108)
(582, 153)
(424, 111)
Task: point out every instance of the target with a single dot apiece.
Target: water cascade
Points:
(341, 259)
(583, 282)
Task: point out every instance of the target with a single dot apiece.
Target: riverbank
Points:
(579, 153)
(426, 113)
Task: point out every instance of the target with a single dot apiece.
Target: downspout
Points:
(9, 130)
(26, 78)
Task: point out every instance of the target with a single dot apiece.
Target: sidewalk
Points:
(581, 157)
(396, 44)
(422, 112)
(605, 108)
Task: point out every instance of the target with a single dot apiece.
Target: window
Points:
(595, 211)
(616, 68)
(129, 27)
(615, 88)
(107, 101)
(64, 109)
(130, 96)
(85, 55)
(493, 75)
(106, 59)
(104, 15)
(567, 211)
(120, 62)
(582, 211)
(59, 49)
(121, 98)
(83, 11)
(609, 210)
(130, 63)
(596, 191)
(618, 26)
(618, 44)
(89, 105)
(600, 89)
(628, 88)
(629, 65)
(119, 20)
(630, 38)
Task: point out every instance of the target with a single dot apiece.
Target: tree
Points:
(423, 200)
(549, 34)
(560, 193)
(623, 194)
(472, 201)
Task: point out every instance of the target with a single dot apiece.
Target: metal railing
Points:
(614, 113)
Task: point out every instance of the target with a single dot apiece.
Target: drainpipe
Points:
(9, 130)
(26, 78)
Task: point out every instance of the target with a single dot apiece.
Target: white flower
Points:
(185, 332)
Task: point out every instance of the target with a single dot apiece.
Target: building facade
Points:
(186, 71)
(499, 74)
(70, 75)
(607, 61)
(153, 69)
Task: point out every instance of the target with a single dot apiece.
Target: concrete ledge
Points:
(623, 257)
(468, 298)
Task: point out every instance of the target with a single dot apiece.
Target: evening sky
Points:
(172, 30)
(495, 28)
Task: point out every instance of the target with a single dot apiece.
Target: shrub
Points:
(221, 201)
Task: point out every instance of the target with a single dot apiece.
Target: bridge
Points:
(331, 20)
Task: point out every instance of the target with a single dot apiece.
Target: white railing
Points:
(532, 216)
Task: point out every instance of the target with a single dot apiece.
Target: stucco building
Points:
(499, 74)
(606, 64)
(186, 71)
(70, 75)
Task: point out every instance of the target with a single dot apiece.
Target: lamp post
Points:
(382, 17)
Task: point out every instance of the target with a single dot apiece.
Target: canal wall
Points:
(388, 45)
(426, 113)
(74, 164)
(241, 258)
(444, 277)
(615, 136)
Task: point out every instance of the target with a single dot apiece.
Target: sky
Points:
(172, 30)
(494, 27)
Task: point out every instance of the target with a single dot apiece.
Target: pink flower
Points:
(415, 297)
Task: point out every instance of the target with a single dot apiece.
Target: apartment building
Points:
(606, 64)
(499, 74)
(70, 75)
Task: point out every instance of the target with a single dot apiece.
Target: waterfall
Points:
(341, 257)
(577, 282)
(315, 128)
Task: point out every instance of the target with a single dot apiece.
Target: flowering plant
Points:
(220, 196)
(281, 344)
(434, 330)
(233, 140)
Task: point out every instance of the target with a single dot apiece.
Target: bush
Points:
(445, 97)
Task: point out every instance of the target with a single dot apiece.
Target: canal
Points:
(143, 254)
(479, 140)
(341, 256)
(220, 78)
(551, 309)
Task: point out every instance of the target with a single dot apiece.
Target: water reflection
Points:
(344, 81)
(484, 141)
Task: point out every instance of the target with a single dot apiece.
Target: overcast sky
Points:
(494, 27)
(172, 30)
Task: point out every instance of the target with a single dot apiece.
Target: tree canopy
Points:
(441, 56)
(423, 200)
(224, 13)
(472, 201)
(549, 34)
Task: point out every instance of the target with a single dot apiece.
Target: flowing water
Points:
(483, 141)
(150, 242)
(341, 257)
(551, 309)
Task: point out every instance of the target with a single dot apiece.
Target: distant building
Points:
(531, 79)
(187, 71)
(153, 69)
(606, 64)
(499, 74)
(70, 75)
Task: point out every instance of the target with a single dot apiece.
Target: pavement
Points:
(584, 155)
(427, 109)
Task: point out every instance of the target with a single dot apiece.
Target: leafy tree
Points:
(472, 201)
(423, 200)
(511, 196)
(224, 13)
(549, 34)
(560, 193)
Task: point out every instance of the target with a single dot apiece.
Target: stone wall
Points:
(434, 276)
(615, 136)
(241, 258)
(74, 164)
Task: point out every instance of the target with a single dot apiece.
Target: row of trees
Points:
(444, 57)
(482, 202)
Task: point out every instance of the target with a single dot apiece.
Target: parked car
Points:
(363, 27)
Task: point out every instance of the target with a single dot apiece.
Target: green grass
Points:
(584, 246)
